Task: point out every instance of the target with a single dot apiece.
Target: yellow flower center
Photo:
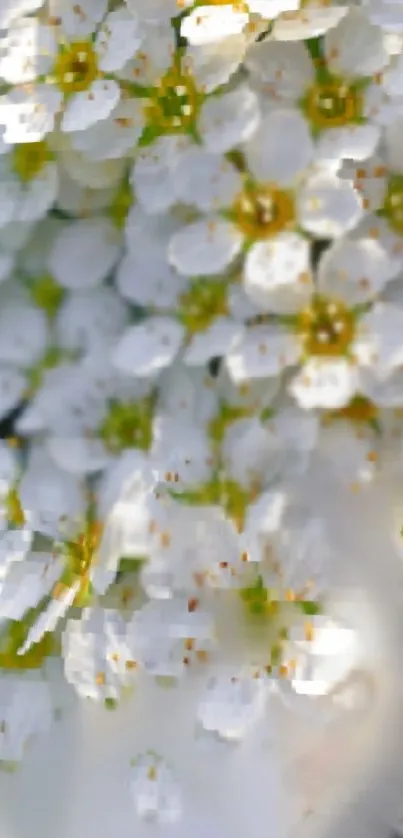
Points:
(257, 601)
(332, 104)
(128, 425)
(28, 159)
(327, 327)
(46, 294)
(175, 102)
(76, 67)
(263, 211)
(202, 303)
(393, 204)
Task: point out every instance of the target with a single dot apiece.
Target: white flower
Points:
(155, 790)
(96, 657)
(232, 704)
(86, 551)
(193, 319)
(70, 64)
(342, 329)
(169, 636)
(189, 83)
(190, 545)
(339, 99)
(277, 190)
(124, 420)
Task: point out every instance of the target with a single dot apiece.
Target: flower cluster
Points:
(201, 299)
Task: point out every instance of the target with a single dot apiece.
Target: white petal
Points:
(50, 495)
(149, 347)
(113, 137)
(48, 619)
(117, 40)
(309, 22)
(94, 646)
(28, 50)
(393, 135)
(281, 148)
(29, 116)
(183, 447)
(209, 24)
(228, 120)
(205, 247)
(230, 706)
(385, 392)
(353, 142)
(78, 21)
(84, 253)
(23, 333)
(154, 173)
(282, 71)
(163, 286)
(14, 546)
(156, 793)
(40, 196)
(329, 207)
(78, 456)
(349, 455)
(277, 273)
(217, 340)
(12, 388)
(325, 383)
(354, 270)
(14, 9)
(90, 319)
(207, 181)
(262, 351)
(27, 583)
(212, 65)
(10, 196)
(379, 340)
(91, 106)
(355, 47)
